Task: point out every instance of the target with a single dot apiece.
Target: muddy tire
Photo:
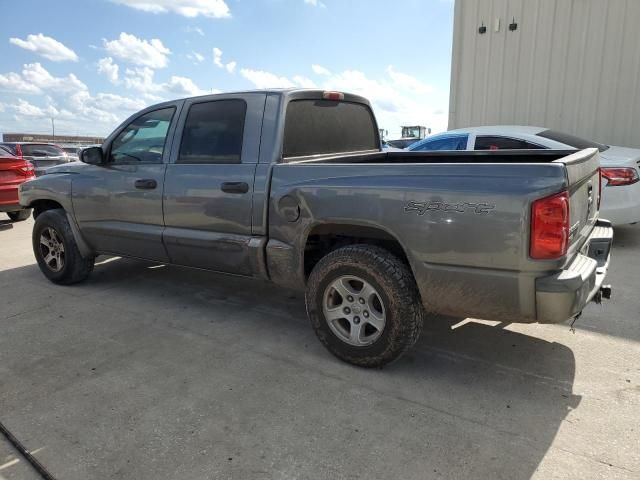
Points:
(364, 305)
(56, 250)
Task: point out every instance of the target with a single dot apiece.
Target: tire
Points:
(20, 215)
(350, 269)
(56, 250)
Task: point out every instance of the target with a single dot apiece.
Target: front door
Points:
(209, 183)
(118, 205)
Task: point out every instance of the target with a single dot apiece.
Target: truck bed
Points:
(463, 156)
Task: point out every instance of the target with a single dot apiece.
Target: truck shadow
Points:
(472, 401)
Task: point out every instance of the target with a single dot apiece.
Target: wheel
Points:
(364, 305)
(20, 215)
(56, 250)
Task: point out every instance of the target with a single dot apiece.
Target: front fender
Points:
(52, 187)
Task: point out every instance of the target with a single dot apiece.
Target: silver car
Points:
(41, 155)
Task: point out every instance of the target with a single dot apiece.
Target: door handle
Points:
(146, 184)
(235, 187)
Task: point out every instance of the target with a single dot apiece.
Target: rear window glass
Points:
(213, 132)
(9, 147)
(487, 142)
(453, 142)
(315, 127)
(571, 140)
(6, 151)
(35, 150)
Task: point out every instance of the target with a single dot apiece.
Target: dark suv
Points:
(41, 155)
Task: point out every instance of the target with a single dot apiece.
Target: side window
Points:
(213, 132)
(144, 139)
(486, 142)
(454, 142)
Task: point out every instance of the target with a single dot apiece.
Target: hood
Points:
(71, 167)
(620, 157)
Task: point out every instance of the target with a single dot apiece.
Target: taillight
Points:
(619, 176)
(333, 95)
(550, 227)
(27, 170)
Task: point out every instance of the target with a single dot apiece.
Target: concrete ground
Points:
(151, 372)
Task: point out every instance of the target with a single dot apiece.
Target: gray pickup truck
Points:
(291, 186)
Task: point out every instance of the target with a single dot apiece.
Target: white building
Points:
(571, 65)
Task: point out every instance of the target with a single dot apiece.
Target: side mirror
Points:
(92, 156)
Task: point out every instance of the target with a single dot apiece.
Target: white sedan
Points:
(620, 165)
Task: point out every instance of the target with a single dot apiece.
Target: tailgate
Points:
(583, 176)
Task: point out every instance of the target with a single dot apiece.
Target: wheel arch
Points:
(323, 238)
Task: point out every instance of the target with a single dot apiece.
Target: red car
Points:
(13, 172)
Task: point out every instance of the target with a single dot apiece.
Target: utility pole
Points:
(53, 129)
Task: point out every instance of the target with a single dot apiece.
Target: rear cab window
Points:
(321, 127)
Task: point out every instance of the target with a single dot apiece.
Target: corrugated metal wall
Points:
(572, 65)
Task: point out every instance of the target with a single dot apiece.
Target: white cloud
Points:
(13, 82)
(315, 3)
(262, 79)
(217, 60)
(38, 76)
(195, 57)
(109, 69)
(148, 53)
(217, 57)
(320, 70)
(183, 86)
(142, 80)
(48, 47)
(197, 30)
(25, 108)
(186, 8)
(397, 98)
(406, 81)
(304, 82)
(68, 100)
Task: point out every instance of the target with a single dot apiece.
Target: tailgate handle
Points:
(146, 184)
(235, 187)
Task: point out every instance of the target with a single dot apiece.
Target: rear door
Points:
(118, 205)
(210, 180)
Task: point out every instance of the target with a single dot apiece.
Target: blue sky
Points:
(91, 63)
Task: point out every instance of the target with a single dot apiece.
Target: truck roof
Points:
(290, 93)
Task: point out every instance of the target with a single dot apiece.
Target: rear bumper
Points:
(564, 295)
(10, 207)
(9, 198)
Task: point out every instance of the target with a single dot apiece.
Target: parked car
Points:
(292, 186)
(13, 172)
(620, 166)
(41, 155)
(72, 151)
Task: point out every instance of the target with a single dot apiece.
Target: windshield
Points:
(411, 132)
(571, 140)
